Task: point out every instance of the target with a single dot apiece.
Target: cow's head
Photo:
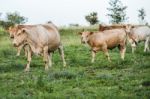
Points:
(131, 36)
(128, 28)
(11, 31)
(131, 41)
(84, 36)
(20, 36)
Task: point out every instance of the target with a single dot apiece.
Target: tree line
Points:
(11, 19)
(117, 15)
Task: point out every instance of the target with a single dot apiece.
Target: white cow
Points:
(137, 34)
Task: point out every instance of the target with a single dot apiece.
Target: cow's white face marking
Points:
(84, 36)
(19, 37)
(128, 28)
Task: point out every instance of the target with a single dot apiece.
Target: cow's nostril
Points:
(83, 42)
(15, 45)
(11, 37)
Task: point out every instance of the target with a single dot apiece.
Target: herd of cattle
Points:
(44, 39)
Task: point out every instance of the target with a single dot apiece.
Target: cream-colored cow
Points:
(137, 34)
(41, 39)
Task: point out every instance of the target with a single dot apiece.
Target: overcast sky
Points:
(64, 12)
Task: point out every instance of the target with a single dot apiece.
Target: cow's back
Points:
(110, 27)
(109, 37)
(44, 35)
(141, 32)
(114, 33)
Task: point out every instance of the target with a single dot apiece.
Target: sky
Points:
(64, 12)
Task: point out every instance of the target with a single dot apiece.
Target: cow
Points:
(109, 27)
(12, 30)
(102, 41)
(41, 40)
(138, 34)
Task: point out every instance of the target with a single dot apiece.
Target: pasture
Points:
(128, 79)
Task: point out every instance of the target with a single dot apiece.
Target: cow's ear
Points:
(9, 29)
(80, 33)
(91, 33)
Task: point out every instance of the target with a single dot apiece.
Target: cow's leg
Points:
(146, 47)
(133, 46)
(93, 56)
(25, 51)
(46, 57)
(29, 57)
(19, 50)
(122, 52)
(50, 59)
(133, 49)
(61, 52)
(107, 55)
(105, 50)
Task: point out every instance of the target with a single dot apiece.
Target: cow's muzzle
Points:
(15, 45)
(83, 42)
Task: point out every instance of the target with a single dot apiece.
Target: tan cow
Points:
(102, 41)
(42, 40)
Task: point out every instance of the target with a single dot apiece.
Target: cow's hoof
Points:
(26, 70)
(18, 55)
(92, 62)
(46, 69)
(110, 61)
(65, 65)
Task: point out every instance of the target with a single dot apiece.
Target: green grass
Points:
(128, 79)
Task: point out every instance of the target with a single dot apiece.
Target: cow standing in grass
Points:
(41, 39)
(137, 34)
(102, 41)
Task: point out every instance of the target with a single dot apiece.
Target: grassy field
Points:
(128, 79)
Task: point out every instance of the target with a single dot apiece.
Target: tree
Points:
(92, 18)
(15, 18)
(141, 16)
(12, 19)
(117, 12)
(5, 24)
